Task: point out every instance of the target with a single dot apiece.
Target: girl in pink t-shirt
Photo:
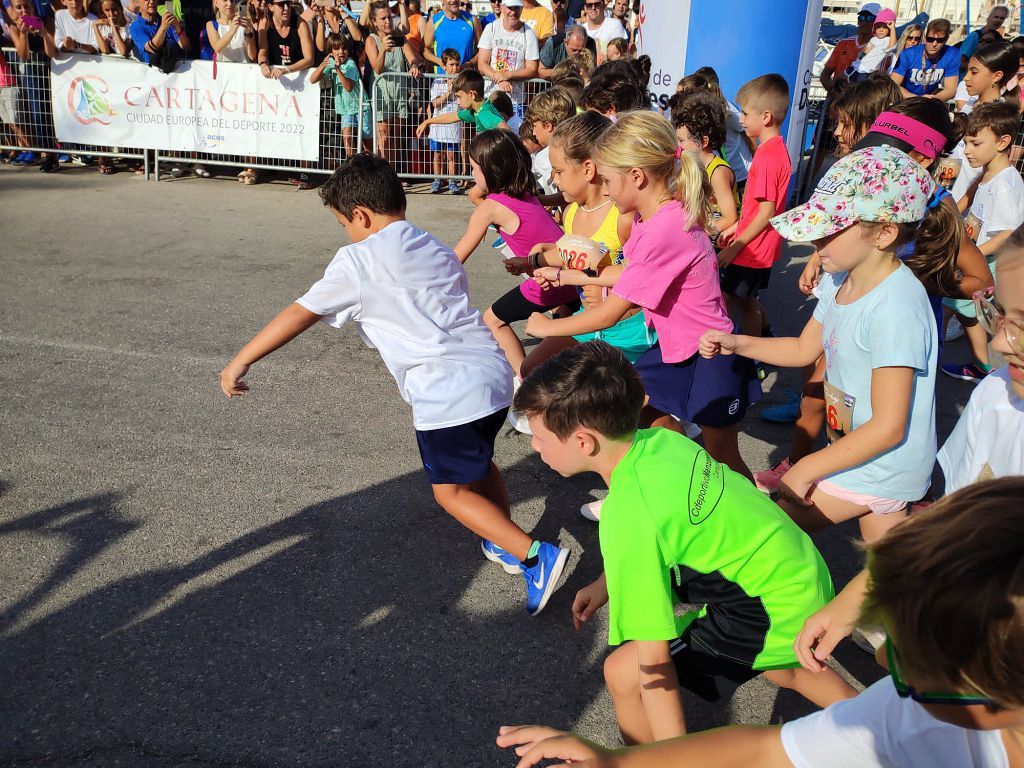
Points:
(502, 169)
(672, 273)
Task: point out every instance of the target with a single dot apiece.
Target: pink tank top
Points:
(535, 226)
(6, 79)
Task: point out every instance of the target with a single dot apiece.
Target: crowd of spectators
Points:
(353, 54)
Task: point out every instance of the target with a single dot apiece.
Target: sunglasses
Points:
(913, 38)
(593, 5)
(930, 39)
(906, 691)
(865, 16)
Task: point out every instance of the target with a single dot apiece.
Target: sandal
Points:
(106, 170)
(248, 176)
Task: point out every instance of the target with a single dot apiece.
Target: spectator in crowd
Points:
(415, 25)
(564, 46)
(912, 35)
(445, 138)
(72, 28)
(996, 19)
(539, 19)
(285, 43)
(452, 28)
(846, 51)
(932, 69)
(878, 52)
(231, 35)
(561, 16)
(509, 52)
(158, 38)
(387, 50)
(339, 72)
(601, 27)
(493, 16)
(618, 48)
(620, 11)
(33, 40)
(111, 32)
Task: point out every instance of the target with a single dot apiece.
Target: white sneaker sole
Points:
(592, 510)
(495, 559)
(554, 575)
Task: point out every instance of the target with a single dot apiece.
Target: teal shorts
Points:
(631, 336)
(965, 307)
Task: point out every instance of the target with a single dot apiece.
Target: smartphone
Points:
(167, 8)
(33, 22)
(398, 38)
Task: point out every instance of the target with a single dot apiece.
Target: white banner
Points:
(663, 33)
(116, 103)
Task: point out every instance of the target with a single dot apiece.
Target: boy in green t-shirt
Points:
(677, 527)
(473, 107)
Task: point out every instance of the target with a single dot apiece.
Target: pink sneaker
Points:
(768, 480)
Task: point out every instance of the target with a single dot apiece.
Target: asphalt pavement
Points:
(267, 581)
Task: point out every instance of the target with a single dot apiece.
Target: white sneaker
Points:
(519, 422)
(954, 330)
(592, 510)
(868, 639)
(692, 430)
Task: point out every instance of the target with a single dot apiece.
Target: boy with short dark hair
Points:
(948, 586)
(445, 139)
(751, 246)
(409, 296)
(995, 208)
(676, 527)
(468, 88)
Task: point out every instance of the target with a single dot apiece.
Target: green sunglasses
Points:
(906, 691)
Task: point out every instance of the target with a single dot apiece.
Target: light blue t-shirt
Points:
(892, 326)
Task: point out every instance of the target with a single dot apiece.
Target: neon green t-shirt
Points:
(678, 527)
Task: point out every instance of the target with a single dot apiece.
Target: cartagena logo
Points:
(87, 101)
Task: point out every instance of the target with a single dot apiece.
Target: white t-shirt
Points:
(736, 148)
(409, 298)
(609, 30)
(986, 441)
(542, 171)
(998, 206)
(79, 30)
(509, 51)
(449, 133)
(873, 54)
(878, 729)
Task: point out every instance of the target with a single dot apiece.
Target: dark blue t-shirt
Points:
(922, 76)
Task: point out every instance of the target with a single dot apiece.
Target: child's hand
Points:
(231, 383)
(809, 277)
(587, 602)
(538, 326)
(517, 266)
(727, 255)
(421, 129)
(536, 743)
(717, 343)
(547, 277)
(795, 488)
(593, 296)
(726, 236)
(822, 632)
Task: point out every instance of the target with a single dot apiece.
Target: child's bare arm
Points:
(737, 746)
(659, 689)
(289, 323)
(995, 242)
(757, 225)
(482, 218)
(892, 389)
(783, 352)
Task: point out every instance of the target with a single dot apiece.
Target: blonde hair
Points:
(647, 141)
(551, 106)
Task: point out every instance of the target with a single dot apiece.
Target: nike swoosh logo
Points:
(539, 583)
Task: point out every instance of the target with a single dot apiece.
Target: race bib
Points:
(583, 254)
(946, 171)
(838, 412)
(973, 224)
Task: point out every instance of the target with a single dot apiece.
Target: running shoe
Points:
(201, 172)
(177, 171)
(454, 188)
(969, 372)
(786, 413)
(49, 165)
(63, 158)
(435, 188)
(767, 481)
(304, 182)
(592, 510)
(542, 578)
(25, 158)
(496, 554)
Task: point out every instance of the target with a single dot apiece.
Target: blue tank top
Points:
(453, 33)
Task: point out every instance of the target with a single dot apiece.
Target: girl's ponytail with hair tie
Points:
(679, 152)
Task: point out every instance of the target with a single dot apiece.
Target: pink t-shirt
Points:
(672, 273)
(768, 179)
(535, 226)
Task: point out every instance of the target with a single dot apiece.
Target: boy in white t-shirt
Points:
(408, 295)
(546, 111)
(948, 586)
(995, 208)
(73, 28)
(600, 27)
(445, 137)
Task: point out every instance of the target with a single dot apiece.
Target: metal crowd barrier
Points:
(34, 116)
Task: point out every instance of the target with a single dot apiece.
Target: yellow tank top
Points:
(716, 163)
(607, 234)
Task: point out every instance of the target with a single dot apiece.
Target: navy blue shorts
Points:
(441, 146)
(709, 393)
(745, 282)
(462, 454)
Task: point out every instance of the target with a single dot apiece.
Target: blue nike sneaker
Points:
(496, 554)
(542, 579)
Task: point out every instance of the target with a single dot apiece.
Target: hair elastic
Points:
(919, 136)
(679, 152)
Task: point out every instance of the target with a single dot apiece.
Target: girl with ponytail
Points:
(672, 273)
